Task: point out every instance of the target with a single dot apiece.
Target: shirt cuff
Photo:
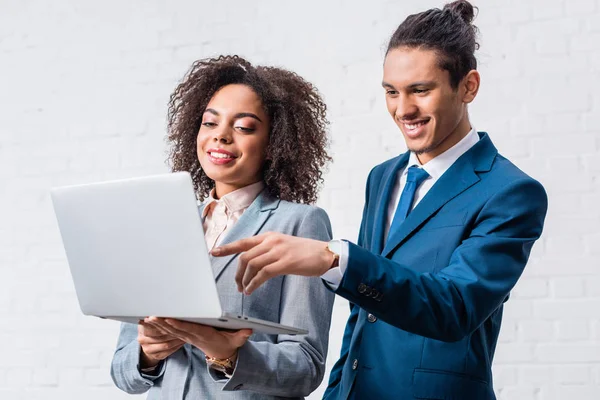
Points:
(333, 277)
(158, 371)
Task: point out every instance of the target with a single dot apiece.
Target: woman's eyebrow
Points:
(246, 114)
(236, 116)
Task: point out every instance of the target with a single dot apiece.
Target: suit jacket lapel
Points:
(458, 178)
(389, 179)
(249, 224)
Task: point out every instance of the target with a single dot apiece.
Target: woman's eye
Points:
(244, 129)
(209, 124)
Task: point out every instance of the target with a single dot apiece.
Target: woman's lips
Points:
(220, 156)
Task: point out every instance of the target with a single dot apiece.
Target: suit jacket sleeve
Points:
(452, 303)
(124, 369)
(295, 365)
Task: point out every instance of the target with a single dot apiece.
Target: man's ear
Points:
(470, 85)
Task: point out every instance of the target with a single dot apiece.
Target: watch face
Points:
(335, 246)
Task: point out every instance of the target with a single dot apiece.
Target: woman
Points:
(253, 139)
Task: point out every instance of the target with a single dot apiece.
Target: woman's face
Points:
(233, 138)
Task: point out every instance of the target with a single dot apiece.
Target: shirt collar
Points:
(235, 201)
(440, 164)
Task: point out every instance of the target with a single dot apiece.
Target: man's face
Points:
(430, 113)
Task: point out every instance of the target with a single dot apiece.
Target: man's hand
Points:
(212, 342)
(271, 254)
(156, 345)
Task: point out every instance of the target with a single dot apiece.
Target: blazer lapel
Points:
(249, 224)
(389, 179)
(458, 178)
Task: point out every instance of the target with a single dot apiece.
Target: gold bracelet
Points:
(225, 366)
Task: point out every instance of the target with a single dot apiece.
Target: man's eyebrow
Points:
(412, 85)
(421, 83)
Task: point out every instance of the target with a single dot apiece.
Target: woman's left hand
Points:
(214, 343)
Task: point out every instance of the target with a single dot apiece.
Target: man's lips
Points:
(414, 128)
(220, 156)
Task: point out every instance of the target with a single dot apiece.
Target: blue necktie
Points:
(416, 176)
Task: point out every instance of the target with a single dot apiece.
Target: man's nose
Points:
(406, 109)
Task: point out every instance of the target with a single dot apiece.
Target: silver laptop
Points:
(136, 248)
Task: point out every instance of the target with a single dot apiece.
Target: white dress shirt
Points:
(435, 168)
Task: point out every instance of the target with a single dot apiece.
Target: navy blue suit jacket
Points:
(426, 308)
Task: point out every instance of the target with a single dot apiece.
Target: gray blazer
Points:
(268, 366)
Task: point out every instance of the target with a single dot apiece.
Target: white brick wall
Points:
(83, 93)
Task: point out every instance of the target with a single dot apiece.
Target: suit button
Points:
(355, 364)
(362, 288)
(371, 318)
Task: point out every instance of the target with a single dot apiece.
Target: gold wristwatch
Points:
(334, 247)
(225, 366)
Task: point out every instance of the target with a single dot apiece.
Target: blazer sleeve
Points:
(124, 368)
(452, 303)
(335, 375)
(295, 365)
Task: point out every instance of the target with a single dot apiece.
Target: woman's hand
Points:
(156, 345)
(212, 342)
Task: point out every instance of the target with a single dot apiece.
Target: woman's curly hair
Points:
(296, 152)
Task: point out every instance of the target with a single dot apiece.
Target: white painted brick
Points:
(98, 376)
(585, 42)
(527, 288)
(508, 330)
(596, 329)
(535, 375)
(580, 7)
(70, 376)
(591, 162)
(573, 374)
(515, 308)
(514, 353)
(592, 286)
(548, 9)
(567, 309)
(591, 244)
(567, 287)
(519, 393)
(567, 353)
(536, 331)
(559, 244)
(569, 330)
(45, 377)
(505, 375)
(18, 377)
(578, 392)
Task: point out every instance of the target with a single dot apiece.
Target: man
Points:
(446, 232)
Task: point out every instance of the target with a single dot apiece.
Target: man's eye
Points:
(421, 91)
(391, 92)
